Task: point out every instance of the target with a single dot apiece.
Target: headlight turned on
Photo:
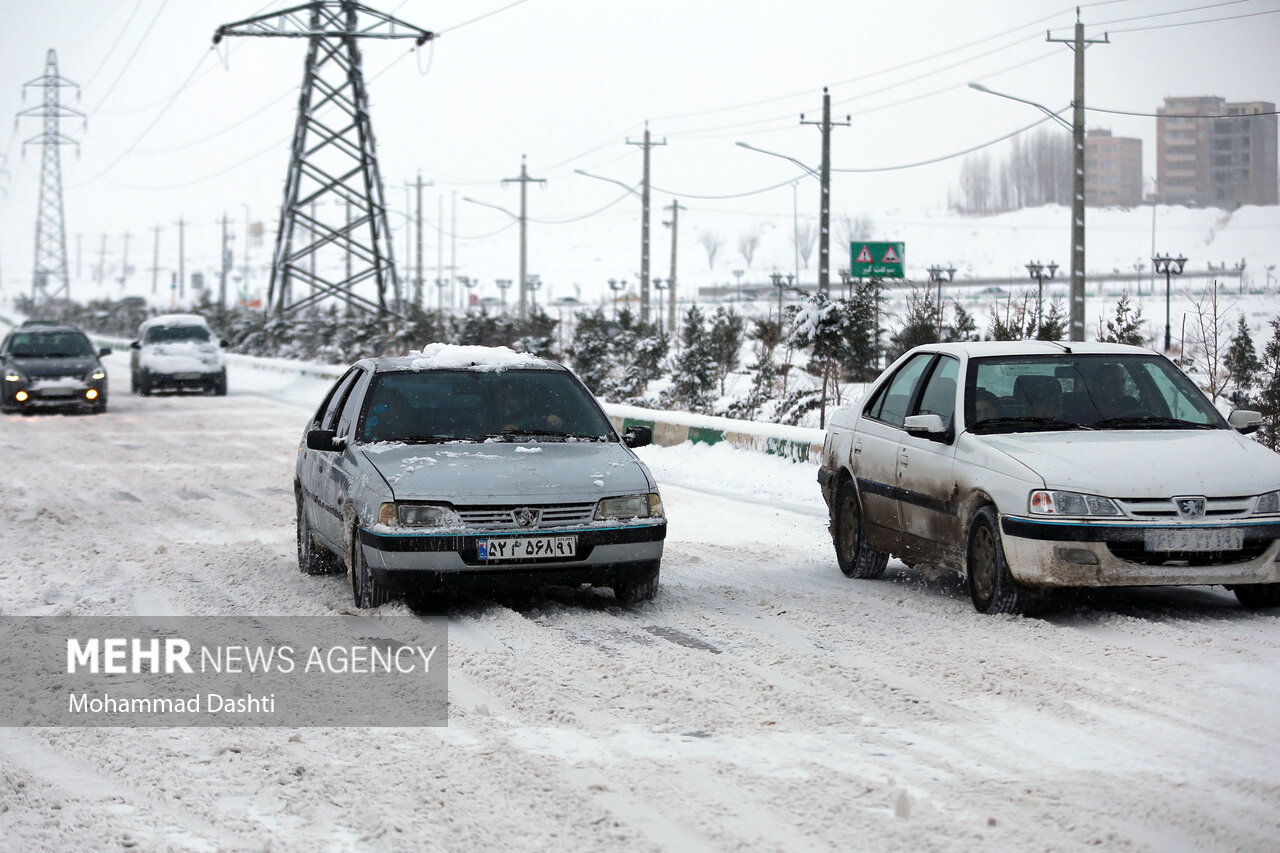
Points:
(631, 506)
(1045, 502)
(13, 376)
(96, 374)
(418, 515)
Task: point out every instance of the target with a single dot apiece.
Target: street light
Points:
(503, 285)
(617, 285)
(1168, 267)
(938, 275)
(738, 274)
(533, 283)
(824, 215)
(660, 285)
(1037, 272)
(1076, 128)
(442, 283)
(468, 282)
(777, 282)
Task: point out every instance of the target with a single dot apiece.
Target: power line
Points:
(1178, 115)
(1194, 23)
(128, 62)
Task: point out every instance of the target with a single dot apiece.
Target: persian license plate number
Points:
(527, 548)
(1194, 540)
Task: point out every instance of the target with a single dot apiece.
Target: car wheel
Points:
(991, 587)
(855, 558)
(219, 386)
(312, 559)
(144, 383)
(366, 590)
(1256, 596)
(641, 587)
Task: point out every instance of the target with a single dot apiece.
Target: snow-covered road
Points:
(761, 702)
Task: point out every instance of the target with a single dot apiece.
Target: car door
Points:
(924, 464)
(338, 469)
(326, 518)
(875, 452)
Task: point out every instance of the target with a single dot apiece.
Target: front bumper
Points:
(1087, 554)
(186, 378)
(602, 552)
(60, 395)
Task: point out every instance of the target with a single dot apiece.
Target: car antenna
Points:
(1065, 348)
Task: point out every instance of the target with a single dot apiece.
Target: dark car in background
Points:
(51, 367)
(474, 465)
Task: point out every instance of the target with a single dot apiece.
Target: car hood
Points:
(44, 368)
(1146, 463)
(502, 472)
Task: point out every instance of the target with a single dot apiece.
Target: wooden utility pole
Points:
(644, 226)
(824, 178)
(524, 180)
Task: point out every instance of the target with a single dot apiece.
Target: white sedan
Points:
(1028, 466)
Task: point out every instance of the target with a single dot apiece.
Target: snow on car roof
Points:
(976, 349)
(174, 320)
(456, 357)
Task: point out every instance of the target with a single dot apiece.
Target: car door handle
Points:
(857, 448)
(903, 460)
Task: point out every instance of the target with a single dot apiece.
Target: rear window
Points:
(174, 334)
(467, 405)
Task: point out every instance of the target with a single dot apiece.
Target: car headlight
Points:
(1046, 502)
(418, 515)
(14, 376)
(96, 375)
(1268, 504)
(631, 506)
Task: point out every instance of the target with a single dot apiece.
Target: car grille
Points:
(1164, 509)
(504, 517)
(1135, 552)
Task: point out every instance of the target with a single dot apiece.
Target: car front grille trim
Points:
(1164, 509)
(504, 517)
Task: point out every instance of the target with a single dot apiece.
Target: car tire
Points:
(853, 555)
(312, 559)
(219, 386)
(1256, 596)
(991, 586)
(641, 587)
(144, 383)
(365, 588)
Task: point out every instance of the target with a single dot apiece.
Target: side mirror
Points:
(104, 352)
(222, 344)
(926, 426)
(323, 439)
(1245, 421)
(135, 345)
(638, 436)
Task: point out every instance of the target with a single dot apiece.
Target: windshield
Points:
(173, 334)
(50, 345)
(465, 405)
(1066, 391)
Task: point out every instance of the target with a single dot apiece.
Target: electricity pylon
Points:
(49, 274)
(333, 155)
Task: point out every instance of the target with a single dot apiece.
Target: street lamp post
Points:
(777, 277)
(1037, 271)
(938, 275)
(468, 282)
(660, 286)
(1168, 267)
(846, 277)
(503, 285)
(738, 274)
(441, 284)
(1076, 127)
(533, 283)
(617, 285)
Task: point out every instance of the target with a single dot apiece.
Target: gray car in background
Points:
(473, 465)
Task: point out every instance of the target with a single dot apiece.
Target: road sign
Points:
(877, 260)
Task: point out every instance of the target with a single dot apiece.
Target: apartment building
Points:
(1113, 169)
(1212, 153)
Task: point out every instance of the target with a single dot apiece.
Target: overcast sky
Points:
(179, 129)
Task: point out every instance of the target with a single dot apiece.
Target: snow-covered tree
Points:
(693, 370)
(727, 331)
(589, 352)
(1125, 326)
(919, 322)
(1267, 400)
(1053, 325)
(1242, 362)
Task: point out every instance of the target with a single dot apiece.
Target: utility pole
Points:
(824, 178)
(333, 155)
(644, 227)
(182, 257)
(675, 207)
(1078, 43)
(226, 265)
(50, 266)
(124, 262)
(99, 275)
(155, 259)
(417, 280)
(524, 180)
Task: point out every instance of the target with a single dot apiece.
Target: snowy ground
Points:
(761, 702)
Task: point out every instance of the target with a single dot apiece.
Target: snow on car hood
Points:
(180, 356)
(1146, 463)
(501, 472)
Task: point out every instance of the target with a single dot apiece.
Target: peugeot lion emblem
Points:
(1190, 507)
(526, 517)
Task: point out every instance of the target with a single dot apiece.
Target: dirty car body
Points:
(1028, 466)
(465, 466)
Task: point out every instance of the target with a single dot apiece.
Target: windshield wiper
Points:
(1150, 422)
(422, 439)
(512, 432)
(1029, 422)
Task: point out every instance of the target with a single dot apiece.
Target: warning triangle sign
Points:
(891, 257)
(864, 257)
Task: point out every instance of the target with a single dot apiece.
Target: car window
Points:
(467, 405)
(50, 345)
(175, 334)
(939, 397)
(349, 409)
(891, 402)
(1171, 389)
(327, 414)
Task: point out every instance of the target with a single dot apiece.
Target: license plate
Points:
(527, 547)
(1194, 540)
(186, 376)
(57, 392)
